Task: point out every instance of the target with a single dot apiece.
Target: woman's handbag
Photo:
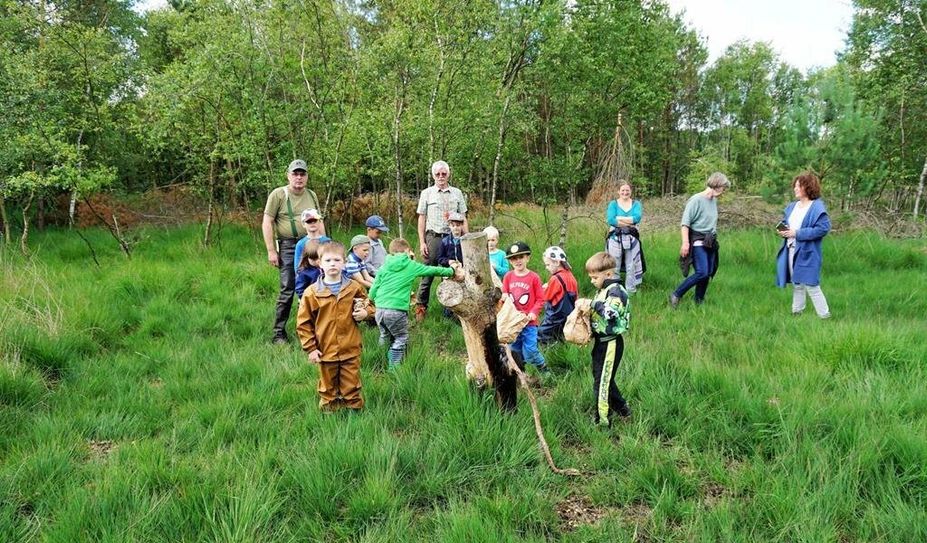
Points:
(578, 328)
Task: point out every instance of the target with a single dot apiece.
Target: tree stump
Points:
(473, 300)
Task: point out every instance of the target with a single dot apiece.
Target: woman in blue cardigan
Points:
(805, 223)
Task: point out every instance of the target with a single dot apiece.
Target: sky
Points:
(805, 33)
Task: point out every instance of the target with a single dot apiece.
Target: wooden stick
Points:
(537, 418)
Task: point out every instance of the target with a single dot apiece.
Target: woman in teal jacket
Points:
(624, 240)
(804, 225)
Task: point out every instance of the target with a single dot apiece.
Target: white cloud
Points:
(805, 33)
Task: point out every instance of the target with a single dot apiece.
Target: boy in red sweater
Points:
(559, 295)
(524, 286)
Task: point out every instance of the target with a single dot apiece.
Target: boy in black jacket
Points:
(611, 316)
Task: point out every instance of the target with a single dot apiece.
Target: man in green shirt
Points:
(282, 229)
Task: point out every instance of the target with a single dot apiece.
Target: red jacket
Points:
(555, 292)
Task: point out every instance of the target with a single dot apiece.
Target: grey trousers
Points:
(394, 330)
(287, 286)
(433, 242)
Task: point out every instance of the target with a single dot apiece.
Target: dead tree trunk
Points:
(474, 301)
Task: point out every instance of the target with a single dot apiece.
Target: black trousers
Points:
(286, 253)
(606, 356)
(433, 242)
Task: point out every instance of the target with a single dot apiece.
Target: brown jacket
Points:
(324, 321)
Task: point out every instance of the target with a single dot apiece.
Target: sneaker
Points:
(673, 300)
(420, 312)
(280, 340)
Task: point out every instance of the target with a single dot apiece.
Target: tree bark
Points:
(434, 94)
(23, 240)
(474, 301)
(397, 120)
(5, 221)
(495, 165)
(920, 189)
(209, 211)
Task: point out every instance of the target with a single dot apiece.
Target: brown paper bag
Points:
(578, 328)
(509, 321)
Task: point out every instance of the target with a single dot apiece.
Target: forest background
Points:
(528, 100)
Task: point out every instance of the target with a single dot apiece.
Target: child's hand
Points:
(584, 305)
(315, 356)
(360, 314)
(544, 286)
(532, 316)
(458, 271)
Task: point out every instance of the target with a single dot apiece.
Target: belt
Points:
(441, 234)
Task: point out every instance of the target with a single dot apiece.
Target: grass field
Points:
(142, 401)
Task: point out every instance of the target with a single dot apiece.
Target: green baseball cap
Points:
(298, 164)
(359, 239)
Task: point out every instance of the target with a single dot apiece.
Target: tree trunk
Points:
(474, 301)
(564, 219)
(23, 246)
(920, 189)
(5, 221)
(209, 209)
(231, 184)
(495, 164)
(434, 95)
(397, 119)
(72, 205)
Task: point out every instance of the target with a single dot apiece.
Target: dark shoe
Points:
(673, 300)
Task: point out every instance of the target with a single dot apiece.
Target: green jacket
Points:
(393, 283)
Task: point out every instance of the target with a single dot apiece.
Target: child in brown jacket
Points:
(327, 328)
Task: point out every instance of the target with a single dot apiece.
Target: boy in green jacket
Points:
(390, 295)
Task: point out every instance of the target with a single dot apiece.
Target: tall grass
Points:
(142, 401)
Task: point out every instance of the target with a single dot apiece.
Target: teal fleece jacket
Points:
(393, 283)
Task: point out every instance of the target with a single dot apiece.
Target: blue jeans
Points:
(526, 345)
(703, 261)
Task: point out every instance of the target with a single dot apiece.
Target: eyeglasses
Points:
(312, 221)
(441, 174)
(298, 173)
